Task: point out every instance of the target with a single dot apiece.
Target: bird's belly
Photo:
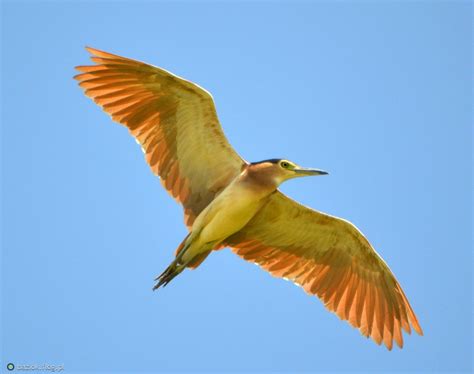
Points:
(227, 222)
(228, 214)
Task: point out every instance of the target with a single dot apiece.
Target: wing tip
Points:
(416, 326)
(98, 53)
(78, 77)
(94, 51)
(411, 314)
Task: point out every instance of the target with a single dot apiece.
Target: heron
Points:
(229, 202)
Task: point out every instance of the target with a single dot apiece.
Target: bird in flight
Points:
(229, 202)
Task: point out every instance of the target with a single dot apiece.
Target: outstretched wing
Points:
(174, 121)
(330, 258)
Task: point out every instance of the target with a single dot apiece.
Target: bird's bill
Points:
(303, 172)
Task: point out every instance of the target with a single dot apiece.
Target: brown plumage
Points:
(229, 202)
(149, 101)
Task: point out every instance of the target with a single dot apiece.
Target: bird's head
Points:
(279, 170)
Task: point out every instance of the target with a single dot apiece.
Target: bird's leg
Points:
(178, 265)
(172, 270)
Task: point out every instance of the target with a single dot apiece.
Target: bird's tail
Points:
(177, 266)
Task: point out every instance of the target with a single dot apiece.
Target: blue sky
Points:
(377, 93)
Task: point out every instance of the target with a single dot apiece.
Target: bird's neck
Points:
(260, 181)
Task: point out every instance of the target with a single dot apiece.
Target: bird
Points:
(229, 202)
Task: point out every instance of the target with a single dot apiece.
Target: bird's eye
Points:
(285, 164)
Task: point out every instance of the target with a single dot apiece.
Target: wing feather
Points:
(173, 120)
(331, 259)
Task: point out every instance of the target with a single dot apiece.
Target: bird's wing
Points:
(328, 257)
(174, 121)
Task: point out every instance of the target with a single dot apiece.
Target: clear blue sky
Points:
(377, 93)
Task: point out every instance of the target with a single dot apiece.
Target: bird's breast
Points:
(229, 212)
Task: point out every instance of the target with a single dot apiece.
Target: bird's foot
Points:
(167, 276)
